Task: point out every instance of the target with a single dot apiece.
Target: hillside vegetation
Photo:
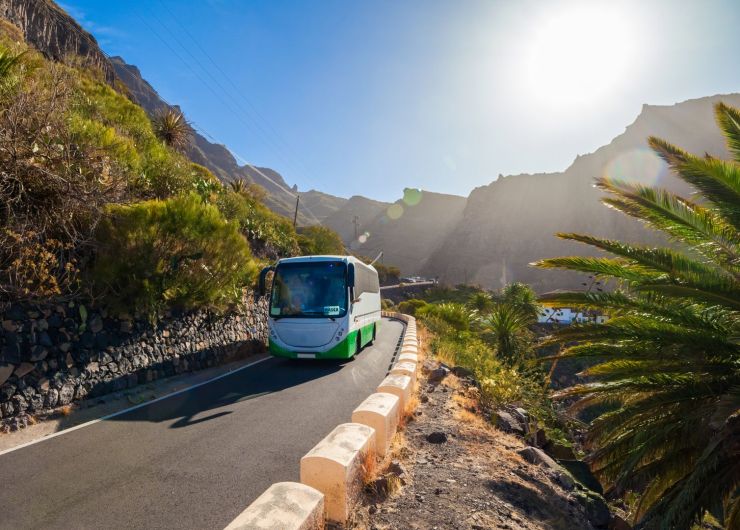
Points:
(87, 177)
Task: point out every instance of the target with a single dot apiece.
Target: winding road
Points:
(194, 460)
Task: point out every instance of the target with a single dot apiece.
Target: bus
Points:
(321, 307)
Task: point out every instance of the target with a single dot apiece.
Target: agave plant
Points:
(667, 363)
(172, 128)
(239, 186)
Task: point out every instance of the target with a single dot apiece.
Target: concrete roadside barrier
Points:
(398, 385)
(405, 368)
(283, 506)
(409, 349)
(379, 411)
(408, 356)
(335, 467)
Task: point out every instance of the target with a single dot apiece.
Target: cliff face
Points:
(54, 33)
(410, 230)
(511, 222)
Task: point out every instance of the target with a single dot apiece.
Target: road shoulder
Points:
(31, 429)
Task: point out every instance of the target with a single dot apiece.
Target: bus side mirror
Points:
(262, 289)
(351, 276)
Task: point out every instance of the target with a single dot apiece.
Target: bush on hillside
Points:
(52, 186)
(270, 235)
(320, 240)
(178, 253)
(410, 306)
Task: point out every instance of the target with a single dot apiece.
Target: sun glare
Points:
(579, 55)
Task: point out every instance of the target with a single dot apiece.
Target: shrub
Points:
(270, 235)
(409, 307)
(318, 240)
(178, 253)
(457, 316)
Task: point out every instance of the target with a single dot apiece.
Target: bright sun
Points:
(579, 55)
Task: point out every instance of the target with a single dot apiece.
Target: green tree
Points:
(481, 301)
(523, 298)
(317, 240)
(668, 361)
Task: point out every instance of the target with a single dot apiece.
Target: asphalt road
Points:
(195, 460)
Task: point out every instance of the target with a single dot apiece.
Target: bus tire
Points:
(372, 339)
(359, 342)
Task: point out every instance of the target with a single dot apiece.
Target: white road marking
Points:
(135, 407)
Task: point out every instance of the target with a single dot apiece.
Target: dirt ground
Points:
(473, 480)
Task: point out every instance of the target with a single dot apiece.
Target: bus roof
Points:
(345, 259)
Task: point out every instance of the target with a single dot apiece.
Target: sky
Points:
(368, 97)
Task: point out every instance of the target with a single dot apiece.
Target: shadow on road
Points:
(270, 376)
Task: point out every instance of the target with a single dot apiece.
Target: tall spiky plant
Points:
(667, 364)
(172, 128)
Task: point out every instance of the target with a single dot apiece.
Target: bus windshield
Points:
(309, 289)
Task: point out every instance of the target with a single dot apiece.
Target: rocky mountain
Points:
(407, 231)
(510, 222)
(364, 209)
(54, 33)
(489, 238)
(216, 157)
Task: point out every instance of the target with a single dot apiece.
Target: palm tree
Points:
(480, 301)
(667, 363)
(506, 327)
(521, 296)
(172, 128)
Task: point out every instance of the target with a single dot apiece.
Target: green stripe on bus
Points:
(344, 349)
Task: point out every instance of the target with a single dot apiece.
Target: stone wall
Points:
(53, 355)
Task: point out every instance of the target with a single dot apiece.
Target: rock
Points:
(54, 321)
(45, 340)
(535, 455)
(507, 423)
(6, 392)
(618, 523)
(52, 398)
(566, 481)
(19, 403)
(69, 360)
(438, 374)
(596, 508)
(559, 451)
(23, 369)
(461, 371)
(126, 326)
(44, 384)
(95, 324)
(11, 352)
(42, 324)
(436, 437)
(9, 325)
(66, 394)
(582, 473)
(7, 409)
(6, 370)
(64, 347)
(38, 353)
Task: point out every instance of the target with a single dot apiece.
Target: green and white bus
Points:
(322, 307)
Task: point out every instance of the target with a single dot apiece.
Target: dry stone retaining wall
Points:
(53, 355)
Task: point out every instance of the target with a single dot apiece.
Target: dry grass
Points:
(66, 410)
(369, 467)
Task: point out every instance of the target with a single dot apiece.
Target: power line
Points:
(279, 139)
(228, 107)
(94, 45)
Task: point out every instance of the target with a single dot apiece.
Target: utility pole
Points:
(295, 215)
(356, 222)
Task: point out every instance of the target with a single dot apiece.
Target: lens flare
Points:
(395, 211)
(637, 165)
(412, 196)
